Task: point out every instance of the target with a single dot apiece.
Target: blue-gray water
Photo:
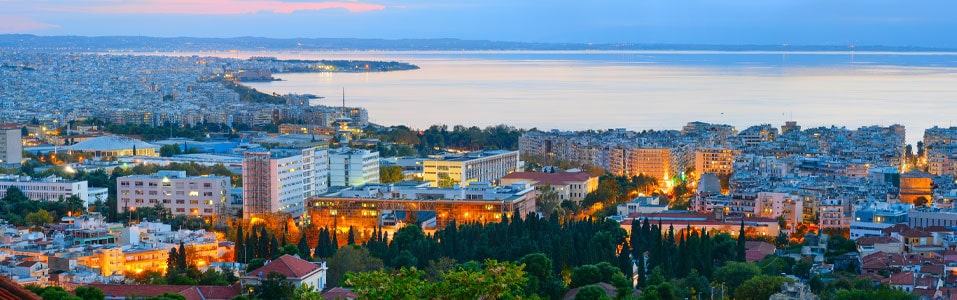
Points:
(641, 89)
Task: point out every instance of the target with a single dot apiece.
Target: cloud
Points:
(215, 7)
(19, 24)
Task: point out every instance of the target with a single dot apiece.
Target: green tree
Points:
(351, 258)
(390, 174)
(304, 251)
(740, 253)
(170, 150)
(274, 286)
(90, 293)
(591, 292)
(760, 287)
(39, 218)
(733, 274)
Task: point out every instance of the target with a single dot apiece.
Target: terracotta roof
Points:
(559, 178)
(287, 265)
(339, 293)
(190, 292)
(756, 251)
(914, 233)
(905, 278)
(936, 229)
(894, 228)
(10, 290)
(872, 240)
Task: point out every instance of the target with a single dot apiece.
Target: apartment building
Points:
(11, 149)
(715, 160)
(203, 196)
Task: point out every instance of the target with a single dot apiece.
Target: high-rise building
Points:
(11, 149)
(488, 166)
(278, 181)
(203, 196)
(353, 167)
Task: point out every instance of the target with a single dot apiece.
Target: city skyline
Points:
(676, 22)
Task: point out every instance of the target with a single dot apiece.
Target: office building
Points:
(45, 189)
(353, 167)
(568, 185)
(278, 181)
(488, 166)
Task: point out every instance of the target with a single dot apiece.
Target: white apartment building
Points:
(353, 167)
(46, 189)
(11, 149)
(487, 166)
(280, 180)
(203, 196)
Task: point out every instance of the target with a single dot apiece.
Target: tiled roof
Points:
(904, 278)
(10, 290)
(872, 240)
(914, 233)
(559, 178)
(339, 293)
(190, 292)
(287, 265)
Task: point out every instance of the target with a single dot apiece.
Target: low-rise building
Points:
(298, 272)
(568, 185)
(45, 189)
(487, 166)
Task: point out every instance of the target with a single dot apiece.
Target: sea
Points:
(638, 90)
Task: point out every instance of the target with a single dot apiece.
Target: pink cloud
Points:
(20, 24)
(221, 7)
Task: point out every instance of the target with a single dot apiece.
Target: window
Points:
(207, 185)
(179, 210)
(180, 201)
(194, 202)
(207, 194)
(208, 210)
(193, 194)
(167, 201)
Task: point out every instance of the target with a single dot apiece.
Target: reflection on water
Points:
(642, 90)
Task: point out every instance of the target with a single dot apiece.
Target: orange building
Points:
(916, 184)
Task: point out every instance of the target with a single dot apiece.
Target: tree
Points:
(921, 201)
(274, 286)
(591, 292)
(390, 174)
(760, 287)
(733, 274)
(170, 150)
(740, 253)
(90, 293)
(304, 251)
(547, 201)
(351, 258)
(39, 218)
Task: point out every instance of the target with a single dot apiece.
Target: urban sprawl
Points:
(168, 173)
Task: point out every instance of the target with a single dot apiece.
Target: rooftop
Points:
(110, 142)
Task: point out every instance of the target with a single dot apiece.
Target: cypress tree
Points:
(352, 236)
(334, 245)
(322, 244)
(181, 263)
(264, 244)
(304, 250)
(171, 264)
(240, 248)
(273, 247)
(741, 253)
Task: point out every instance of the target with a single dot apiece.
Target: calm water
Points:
(641, 90)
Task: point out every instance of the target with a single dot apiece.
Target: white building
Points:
(280, 180)
(11, 149)
(96, 194)
(298, 272)
(179, 194)
(487, 166)
(353, 167)
(47, 189)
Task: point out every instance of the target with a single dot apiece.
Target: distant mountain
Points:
(139, 43)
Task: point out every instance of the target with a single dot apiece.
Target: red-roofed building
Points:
(124, 291)
(755, 251)
(338, 293)
(296, 270)
(870, 244)
(569, 185)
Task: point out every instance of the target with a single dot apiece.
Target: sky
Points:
(923, 23)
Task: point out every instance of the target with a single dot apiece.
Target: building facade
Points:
(353, 167)
(568, 185)
(11, 149)
(46, 189)
(487, 166)
(715, 160)
(279, 181)
(203, 196)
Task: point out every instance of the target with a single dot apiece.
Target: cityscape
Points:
(172, 163)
